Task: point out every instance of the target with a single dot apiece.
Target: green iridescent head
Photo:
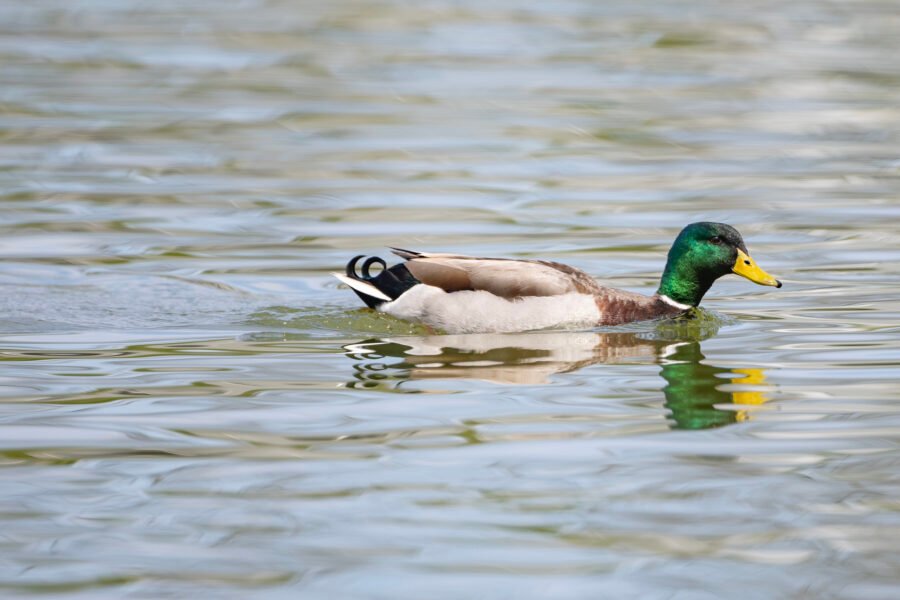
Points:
(702, 253)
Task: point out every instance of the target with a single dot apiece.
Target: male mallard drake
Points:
(464, 294)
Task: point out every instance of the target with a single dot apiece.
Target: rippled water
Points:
(191, 405)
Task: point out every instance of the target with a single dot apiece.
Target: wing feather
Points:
(506, 278)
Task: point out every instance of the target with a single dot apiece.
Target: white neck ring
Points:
(671, 302)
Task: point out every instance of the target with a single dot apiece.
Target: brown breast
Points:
(618, 307)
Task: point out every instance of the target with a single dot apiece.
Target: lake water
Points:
(190, 406)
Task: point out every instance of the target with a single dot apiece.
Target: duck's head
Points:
(702, 253)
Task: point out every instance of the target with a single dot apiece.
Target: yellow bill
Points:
(747, 267)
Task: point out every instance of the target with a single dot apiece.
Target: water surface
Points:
(190, 405)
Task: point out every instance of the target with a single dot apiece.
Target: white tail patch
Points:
(362, 287)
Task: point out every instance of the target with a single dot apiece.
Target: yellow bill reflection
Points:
(748, 397)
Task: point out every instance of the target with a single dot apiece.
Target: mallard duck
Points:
(465, 294)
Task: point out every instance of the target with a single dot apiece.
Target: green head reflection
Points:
(697, 393)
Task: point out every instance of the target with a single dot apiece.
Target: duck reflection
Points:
(698, 395)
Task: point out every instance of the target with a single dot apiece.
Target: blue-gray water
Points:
(191, 407)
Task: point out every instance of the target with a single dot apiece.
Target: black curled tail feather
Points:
(392, 282)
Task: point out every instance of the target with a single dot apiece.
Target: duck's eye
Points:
(716, 240)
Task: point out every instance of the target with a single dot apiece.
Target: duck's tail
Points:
(375, 290)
